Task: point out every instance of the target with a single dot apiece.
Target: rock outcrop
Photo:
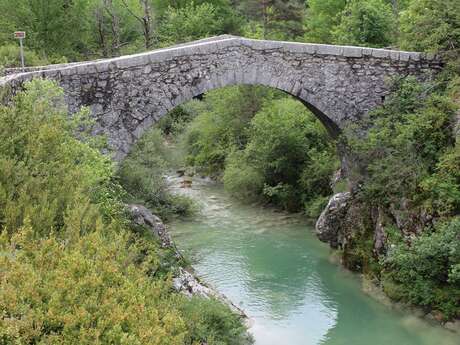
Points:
(189, 285)
(332, 219)
(143, 217)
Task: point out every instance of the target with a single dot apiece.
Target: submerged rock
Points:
(332, 218)
(142, 216)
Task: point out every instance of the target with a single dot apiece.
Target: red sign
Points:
(20, 34)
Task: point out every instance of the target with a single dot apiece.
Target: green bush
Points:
(142, 175)
(189, 23)
(89, 278)
(427, 271)
(221, 126)
(403, 146)
(10, 56)
(365, 23)
(432, 25)
(241, 179)
(291, 150)
(212, 323)
(265, 145)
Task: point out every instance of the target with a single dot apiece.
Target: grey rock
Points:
(332, 218)
(380, 236)
(142, 216)
(453, 326)
(188, 284)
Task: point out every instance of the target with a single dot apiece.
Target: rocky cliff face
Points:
(354, 227)
(330, 223)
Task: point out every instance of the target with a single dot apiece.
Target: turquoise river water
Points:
(272, 266)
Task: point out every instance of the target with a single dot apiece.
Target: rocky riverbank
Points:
(185, 280)
(357, 232)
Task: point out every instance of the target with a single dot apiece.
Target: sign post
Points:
(21, 35)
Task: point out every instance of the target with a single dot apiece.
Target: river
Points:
(272, 266)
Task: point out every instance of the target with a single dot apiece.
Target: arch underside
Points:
(291, 88)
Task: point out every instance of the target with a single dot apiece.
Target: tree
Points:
(189, 23)
(365, 23)
(143, 14)
(432, 25)
(55, 27)
(280, 19)
(321, 18)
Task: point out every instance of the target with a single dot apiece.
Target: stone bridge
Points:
(127, 95)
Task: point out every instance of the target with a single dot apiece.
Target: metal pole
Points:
(22, 53)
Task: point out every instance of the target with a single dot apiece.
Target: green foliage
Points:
(89, 290)
(142, 176)
(287, 145)
(89, 278)
(177, 120)
(365, 23)
(221, 126)
(10, 57)
(322, 16)
(212, 323)
(410, 165)
(189, 23)
(242, 179)
(268, 148)
(46, 23)
(405, 142)
(432, 25)
(44, 170)
(443, 187)
(427, 271)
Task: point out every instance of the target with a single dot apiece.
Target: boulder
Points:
(143, 217)
(189, 285)
(332, 218)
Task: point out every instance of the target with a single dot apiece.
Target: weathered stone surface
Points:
(380, 236)
(188, 284)
(331, 220)
(143, 217)
(130, 93)
(453, 326)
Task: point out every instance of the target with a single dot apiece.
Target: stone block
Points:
(324, 49)
(381, 53)
(352, 51)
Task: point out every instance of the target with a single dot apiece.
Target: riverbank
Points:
(185, 279)
(271, 265)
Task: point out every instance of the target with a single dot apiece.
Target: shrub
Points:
(365, 22)
(426, 270)
(72, 271)
(142, 174)
(10, 57)
(212, 323)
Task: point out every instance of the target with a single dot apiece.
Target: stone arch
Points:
(127, 95)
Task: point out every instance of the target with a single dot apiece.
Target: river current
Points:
(272, 266)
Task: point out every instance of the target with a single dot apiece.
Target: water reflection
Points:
(280, 274)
